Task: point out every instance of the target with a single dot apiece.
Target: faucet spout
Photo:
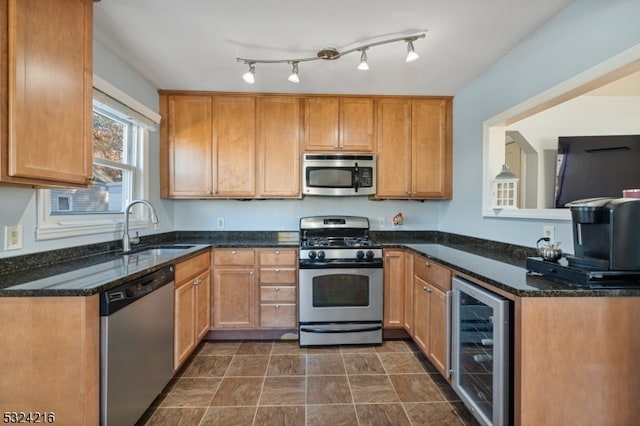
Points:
(126, 239)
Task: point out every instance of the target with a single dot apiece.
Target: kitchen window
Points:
(120, 138)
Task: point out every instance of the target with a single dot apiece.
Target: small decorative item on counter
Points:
(549, 252)
(398, 219)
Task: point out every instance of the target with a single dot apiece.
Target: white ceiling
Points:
(193, 44)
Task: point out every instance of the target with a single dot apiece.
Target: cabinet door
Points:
(279, 123)
(437, 345)
(394, 148)
(356, 124)
(408, 292)
(394, 288)
(202, 285)
(421, 301)
(233, 297)
(234, 141)
(321, 123)
(188, 162)
(431, 148)
(49, 91)
(185, 333)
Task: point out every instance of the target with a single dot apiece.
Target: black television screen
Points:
(596, 166)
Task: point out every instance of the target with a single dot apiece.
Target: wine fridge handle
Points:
(447, 367)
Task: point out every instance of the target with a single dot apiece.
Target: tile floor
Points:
(279, 383)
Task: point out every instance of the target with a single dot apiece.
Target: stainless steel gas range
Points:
(341, 282)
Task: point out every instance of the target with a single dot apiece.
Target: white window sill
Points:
(77, 228)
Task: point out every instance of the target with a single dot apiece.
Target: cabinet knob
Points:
(197, 281)
(277, 270)
(250, 272)
(277, 306)
(277, 252)
(277, 289)
(427, 289)
(210, 192)
(233, 252)
(427, 264)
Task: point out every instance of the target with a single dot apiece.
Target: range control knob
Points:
(321, 255)
(370, 254)
(312, 254)
(360, 255)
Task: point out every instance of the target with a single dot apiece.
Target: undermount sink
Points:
(162, 250)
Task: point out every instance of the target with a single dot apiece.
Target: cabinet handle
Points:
(277, 306)
(277, 289)
(427, 289)
(197, 282)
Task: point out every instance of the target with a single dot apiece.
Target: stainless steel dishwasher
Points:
(136, 346)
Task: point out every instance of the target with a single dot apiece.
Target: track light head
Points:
(293, 77)
(411, 52)
(249, 77)
(363, 65)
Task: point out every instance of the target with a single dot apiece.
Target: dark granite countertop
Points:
(96, 268)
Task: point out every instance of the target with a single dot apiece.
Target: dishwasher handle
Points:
(125, 294)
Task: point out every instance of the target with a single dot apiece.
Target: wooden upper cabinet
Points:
(46, 78)
(187, 158)
(431, 148)
(279, 120)
(208, 146)
(414, 148)
(339, 123)
(234, 139)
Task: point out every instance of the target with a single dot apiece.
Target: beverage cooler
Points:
(481, 352)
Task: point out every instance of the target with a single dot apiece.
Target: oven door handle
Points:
(335, 330)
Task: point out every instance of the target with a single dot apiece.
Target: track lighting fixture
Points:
(363, 66)
(293, 77)
(330, 53)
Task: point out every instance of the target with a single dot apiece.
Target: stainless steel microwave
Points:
(343, 174)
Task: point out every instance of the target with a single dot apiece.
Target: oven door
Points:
(341, 294)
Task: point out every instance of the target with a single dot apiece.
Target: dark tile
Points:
(176, 417)
(362, 364)
(415, 388)
(436, 413)
(372, 388)
(334, 415)
(218, 348)
(393, 346)
(207, 366)
(328, 390)
(276, 416)
(235, 391)
(283, 391)
(287, 365)
(243, 365)
(255, 348)
(357, 349)
(191, 392)
(464, 413)
(287, 348)
(404, 362)
(325, 364)
(229, 416)
(381, 415)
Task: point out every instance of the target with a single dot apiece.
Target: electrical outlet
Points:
(220, 222)
(549, 231)
(13, 237)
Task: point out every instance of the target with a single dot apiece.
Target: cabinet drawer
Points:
(270, 293)
(234, 257)
(278, 257)
(277, 275)
(191, 267)
(277, 315)
(432, 273)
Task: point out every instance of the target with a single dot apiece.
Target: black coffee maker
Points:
(606, 234)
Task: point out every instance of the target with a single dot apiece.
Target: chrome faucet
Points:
(126, 239)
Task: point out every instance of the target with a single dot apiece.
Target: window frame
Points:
(63, 226)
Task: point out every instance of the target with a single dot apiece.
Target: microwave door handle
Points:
(357, 177)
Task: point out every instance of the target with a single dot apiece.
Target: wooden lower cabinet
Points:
(192, 301)
(431, 284)
(278, 293)
(50, 357)
(394, 288)
(233, 289)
